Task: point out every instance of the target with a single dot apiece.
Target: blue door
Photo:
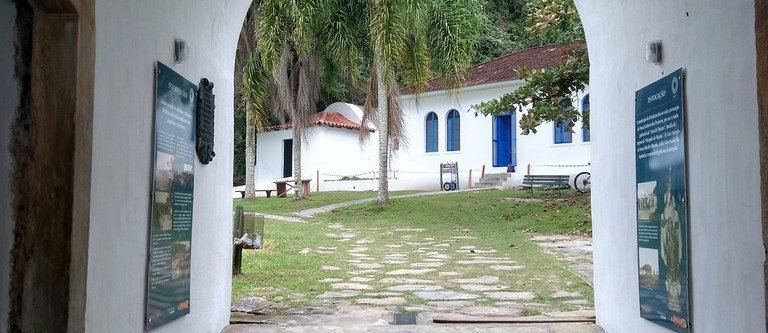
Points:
(504, 140)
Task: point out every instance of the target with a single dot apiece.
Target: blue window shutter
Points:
(586, 136)
(453, 132)
(562, 134)
(430, 132)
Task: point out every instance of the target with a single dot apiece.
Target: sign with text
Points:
(172, 191)
(662, 228)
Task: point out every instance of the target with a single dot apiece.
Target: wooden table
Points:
(284, 185)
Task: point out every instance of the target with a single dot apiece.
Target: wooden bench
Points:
(546, 182)
(268, 192)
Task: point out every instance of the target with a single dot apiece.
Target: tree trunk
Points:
(298, 190)
(250, 155)
(383, 111)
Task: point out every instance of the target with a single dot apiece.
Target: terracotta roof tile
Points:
(325, 118)
(504, 68)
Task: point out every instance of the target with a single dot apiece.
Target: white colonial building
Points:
(333, 147)
(441, 127)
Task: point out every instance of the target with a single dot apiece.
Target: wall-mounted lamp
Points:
(181, 50)
(653, 52)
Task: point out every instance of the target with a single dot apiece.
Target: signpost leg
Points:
(237, 250)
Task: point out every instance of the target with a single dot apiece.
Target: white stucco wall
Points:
(714, 41)
(130, 36)
(269, 157)
(538, 149)
(334, 152)
(7, 107)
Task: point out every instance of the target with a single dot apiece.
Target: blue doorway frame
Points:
(504, 140)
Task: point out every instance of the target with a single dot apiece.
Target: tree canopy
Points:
(549, 91)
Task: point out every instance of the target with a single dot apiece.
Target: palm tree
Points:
(254, 90)
(414, 40)
(300, 44)
(250, 82)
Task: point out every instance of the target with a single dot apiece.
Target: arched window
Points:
(585, 135)
(430, 132)
(453, 134)
(563, 132)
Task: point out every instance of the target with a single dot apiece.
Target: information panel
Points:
(662, 230)
(172, 191)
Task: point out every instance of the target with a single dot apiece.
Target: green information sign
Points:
(662, 229)
(170, 234)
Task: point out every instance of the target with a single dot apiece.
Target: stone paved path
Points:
(420, 274)
(325, 209)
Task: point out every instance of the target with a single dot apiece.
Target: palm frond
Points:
(307, 92)
(370, 114)
(272, 31)
(283, 103)
(255, 91)
(396, 124)
(455, 23)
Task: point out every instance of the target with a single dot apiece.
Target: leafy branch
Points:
(549, 91)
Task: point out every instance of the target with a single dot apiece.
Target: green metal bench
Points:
(546, 182)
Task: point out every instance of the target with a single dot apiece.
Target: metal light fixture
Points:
(653, 52)
(181, 50)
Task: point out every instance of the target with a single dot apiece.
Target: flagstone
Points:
(339, 294)
(511, 296)
(409, 271)
(426, 264)
(482, 287)
(330, 280)
(405, 281)
(451, 304)
(444, 295)
(351, 286)
(492, 311)
(382, 301)
(415, 287)
(382, 294)
(367, 265)
(361, 279)
(479, 280)
(330, 268)
(506, 268)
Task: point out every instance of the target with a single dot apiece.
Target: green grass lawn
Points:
(498, 221)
